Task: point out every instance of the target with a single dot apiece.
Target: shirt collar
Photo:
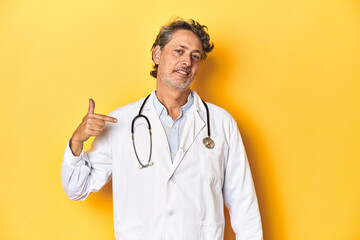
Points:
(160, 109)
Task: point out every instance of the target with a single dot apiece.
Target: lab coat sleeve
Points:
(81, 175)
(239, 192)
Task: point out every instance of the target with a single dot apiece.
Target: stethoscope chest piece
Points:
(209, 143)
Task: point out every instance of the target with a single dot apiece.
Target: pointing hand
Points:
(92, 125)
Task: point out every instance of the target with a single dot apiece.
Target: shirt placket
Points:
(174, 139)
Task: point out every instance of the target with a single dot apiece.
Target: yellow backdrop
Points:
(288, 71)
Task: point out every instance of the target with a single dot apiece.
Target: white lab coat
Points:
(170, 201)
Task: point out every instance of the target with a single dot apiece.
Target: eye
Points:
(178, 50)
(196, 57)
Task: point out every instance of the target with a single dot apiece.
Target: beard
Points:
(178, 81)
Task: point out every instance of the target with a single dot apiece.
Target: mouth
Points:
(183, 72)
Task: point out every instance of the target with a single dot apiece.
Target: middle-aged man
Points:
(169, 183)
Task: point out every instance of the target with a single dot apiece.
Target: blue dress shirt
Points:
(173, 129)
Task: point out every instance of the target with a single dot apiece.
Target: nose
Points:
(186, 60)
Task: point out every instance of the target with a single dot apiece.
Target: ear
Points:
(156, 54)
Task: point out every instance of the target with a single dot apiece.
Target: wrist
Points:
(73, 140)
(76, 147)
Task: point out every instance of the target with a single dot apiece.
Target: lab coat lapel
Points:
(193, 125)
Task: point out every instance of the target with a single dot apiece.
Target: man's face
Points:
(179, 60)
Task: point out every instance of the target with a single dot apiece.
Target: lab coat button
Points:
(171, 212)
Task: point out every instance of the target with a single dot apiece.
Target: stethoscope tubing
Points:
(207, 141)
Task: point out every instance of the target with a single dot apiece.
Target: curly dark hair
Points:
(166, 31)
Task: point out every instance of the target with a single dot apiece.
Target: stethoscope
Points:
(207, 141)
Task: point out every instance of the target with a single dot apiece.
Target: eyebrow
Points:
(185, 47)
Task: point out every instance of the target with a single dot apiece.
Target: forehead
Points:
(185, 38)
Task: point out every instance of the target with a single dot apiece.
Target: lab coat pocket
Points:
(211, 230)
(129, 230)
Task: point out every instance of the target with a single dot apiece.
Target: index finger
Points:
(104, 118)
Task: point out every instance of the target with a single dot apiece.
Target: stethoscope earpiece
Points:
(141, 166)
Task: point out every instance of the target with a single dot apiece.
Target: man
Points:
(171, 182)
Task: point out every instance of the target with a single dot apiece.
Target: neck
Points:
(172, 99)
